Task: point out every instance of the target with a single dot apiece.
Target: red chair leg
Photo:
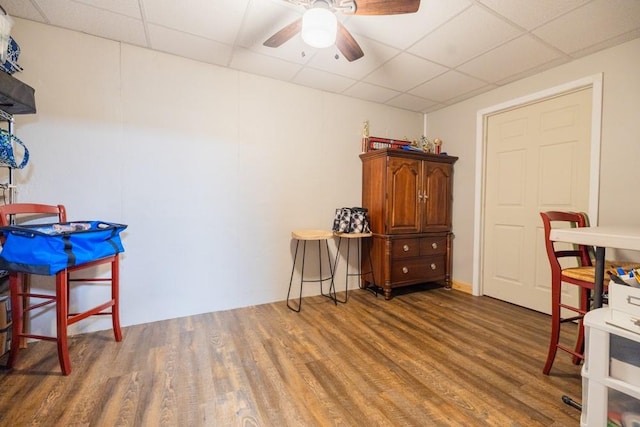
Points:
(584, 306)
(26, 320)
(555, 327)
(15, 280)
(62, 311)
(115, 295)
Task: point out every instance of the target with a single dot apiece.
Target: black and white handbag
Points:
(351, 220)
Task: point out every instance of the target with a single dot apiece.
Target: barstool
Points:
(305, 236)
(358, 238)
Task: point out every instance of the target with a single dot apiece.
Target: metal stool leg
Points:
(293, 269)
(335, 265)
(373, 287)
(335, 269)
(346, 281)
(331, 271)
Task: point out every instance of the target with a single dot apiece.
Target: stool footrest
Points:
(73, 318)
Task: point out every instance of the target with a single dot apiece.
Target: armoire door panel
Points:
(404, 181)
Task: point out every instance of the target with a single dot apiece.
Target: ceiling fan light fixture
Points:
(319, 27)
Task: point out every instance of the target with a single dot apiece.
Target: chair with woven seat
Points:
(582, 275)
(21, 292)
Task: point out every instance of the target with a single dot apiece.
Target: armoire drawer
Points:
(418, 246)
(405, 248)
(436, 245)
(420, 269)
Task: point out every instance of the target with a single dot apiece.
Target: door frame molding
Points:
(595, 83)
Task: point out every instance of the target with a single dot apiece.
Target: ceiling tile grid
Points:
(591, 24)
(448, 51)
(450, 46)
(511, 58)
(412, 69)
(448, 85)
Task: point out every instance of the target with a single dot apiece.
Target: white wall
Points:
(211, 168)
(619, 204)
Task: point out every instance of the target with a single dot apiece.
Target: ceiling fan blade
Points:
(386, 7)
(284, 34)
(347, 44)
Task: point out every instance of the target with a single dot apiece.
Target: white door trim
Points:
(595, 82)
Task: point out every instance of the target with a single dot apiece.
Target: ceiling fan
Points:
(321, 28)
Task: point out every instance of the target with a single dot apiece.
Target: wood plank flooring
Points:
(430, 357)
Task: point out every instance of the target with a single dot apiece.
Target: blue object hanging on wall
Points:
(10, 65)
(8, 145)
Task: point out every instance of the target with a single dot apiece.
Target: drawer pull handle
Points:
(434, 245)
(405, 270)
(405, 248)
(631, 300)
(433, 266)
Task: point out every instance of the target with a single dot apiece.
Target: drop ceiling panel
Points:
(263, 19)
(470, 94)
(268, 66)
(377, 54)
(448, 85)
(189, 46)
(217, 20)
(414, 70)
(93, 20)
(451, 46)
(511, 58)
(322, 80)
(371, 92)
(402, 31)
(23, 9)
(530, 14)
(592, 24)
(410, 102)
(129, 8)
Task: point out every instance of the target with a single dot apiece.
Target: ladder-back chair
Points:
(21, 292)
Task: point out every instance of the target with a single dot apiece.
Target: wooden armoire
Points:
(408, 195)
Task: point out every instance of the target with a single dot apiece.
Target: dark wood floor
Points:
(430, 357)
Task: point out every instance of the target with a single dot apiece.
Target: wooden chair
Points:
(21, 292)
(582, 276)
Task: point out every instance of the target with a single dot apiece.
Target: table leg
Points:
(26, 320)
(599, 283)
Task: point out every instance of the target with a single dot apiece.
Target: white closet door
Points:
(537, 159)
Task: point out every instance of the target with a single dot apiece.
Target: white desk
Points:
(608, 236)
